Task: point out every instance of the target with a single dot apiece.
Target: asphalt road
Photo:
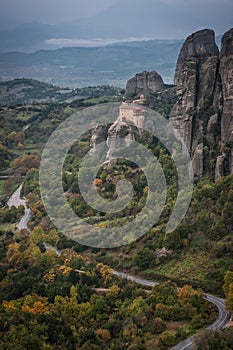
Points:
(135, 279)
(16, 201)
(23, 224)
(223, 319)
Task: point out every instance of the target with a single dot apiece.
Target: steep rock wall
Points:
(203, 115)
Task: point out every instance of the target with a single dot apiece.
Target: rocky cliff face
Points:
(98, 139)
(203, 114)
(120, 134)
(225, 96)
(199, 47)
(146, 83)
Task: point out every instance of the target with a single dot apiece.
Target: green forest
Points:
(58, 294)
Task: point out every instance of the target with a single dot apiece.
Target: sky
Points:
(15, 12)
(175, 18)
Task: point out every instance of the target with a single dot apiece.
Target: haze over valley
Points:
(116, 175)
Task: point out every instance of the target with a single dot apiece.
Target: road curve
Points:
(23, 224)
(223, 319)
(16, 201)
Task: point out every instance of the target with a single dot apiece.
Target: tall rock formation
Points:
(225, 98)
(146, 83)
(198, 47)
(98, 139)
(120, 135)
(203, 114)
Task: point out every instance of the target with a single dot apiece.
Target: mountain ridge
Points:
(79, 67)
(161, 19)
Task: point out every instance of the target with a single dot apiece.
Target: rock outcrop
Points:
(200, 45)
(121, 133)
(203, 115)
(146, 83)
(98, 139)
(226, 97)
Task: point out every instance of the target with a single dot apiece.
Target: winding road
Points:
(224, 317)
(15, 200)
(135, 279)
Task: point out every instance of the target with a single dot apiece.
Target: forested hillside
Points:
(68, 297)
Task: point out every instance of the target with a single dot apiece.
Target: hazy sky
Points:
(180, 16)
(14, 12)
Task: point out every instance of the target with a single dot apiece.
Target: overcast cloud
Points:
(170, 18)
(15, 12)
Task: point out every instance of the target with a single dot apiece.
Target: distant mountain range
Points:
(61, 54)
(78, 67)
(122, 21)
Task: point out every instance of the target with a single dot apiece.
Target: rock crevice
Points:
(203, 115)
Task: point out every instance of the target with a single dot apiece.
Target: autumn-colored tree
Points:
(20, 146)
(14, 255)
(35, 304)
(97, 182)
(104, 334)
(185, 294)
(106, 272)
(167, 338)
(113, 292)
(23, 164)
